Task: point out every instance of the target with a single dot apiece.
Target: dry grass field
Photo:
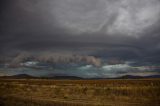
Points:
(41, 92)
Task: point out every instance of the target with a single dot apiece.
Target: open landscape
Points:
(49, 92)
(79, 52)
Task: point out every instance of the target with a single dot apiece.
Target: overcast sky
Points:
(126, 29)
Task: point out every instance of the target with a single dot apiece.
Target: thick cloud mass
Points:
(55, 58)
(101, 33)
(126, 17)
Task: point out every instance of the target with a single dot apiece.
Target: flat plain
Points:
(109, 92)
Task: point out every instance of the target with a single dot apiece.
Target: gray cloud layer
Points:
(124, 29)
(113, 17)
(55, 58)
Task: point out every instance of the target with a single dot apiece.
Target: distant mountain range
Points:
(137, 77)
(25, 76)
(19, 76)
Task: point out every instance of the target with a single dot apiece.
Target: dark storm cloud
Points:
(124, 29)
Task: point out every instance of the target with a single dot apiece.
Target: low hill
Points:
(63, 77)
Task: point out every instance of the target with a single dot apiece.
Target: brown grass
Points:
(41, 92)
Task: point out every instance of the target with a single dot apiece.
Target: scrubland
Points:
(43, 92)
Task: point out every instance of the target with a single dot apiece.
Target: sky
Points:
(115, 34)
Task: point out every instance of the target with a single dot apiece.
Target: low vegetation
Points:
(41, 92)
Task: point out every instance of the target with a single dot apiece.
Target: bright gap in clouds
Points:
(84, 71)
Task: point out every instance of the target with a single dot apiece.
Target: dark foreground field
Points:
(41, 92)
